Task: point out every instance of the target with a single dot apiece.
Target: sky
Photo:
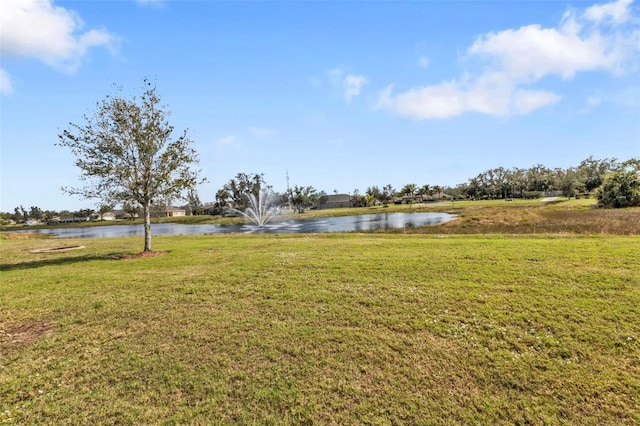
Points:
(338, 95)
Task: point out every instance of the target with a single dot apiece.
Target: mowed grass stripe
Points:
(323, 329)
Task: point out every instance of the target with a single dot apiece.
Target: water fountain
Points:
(352, 223)
(259, 210)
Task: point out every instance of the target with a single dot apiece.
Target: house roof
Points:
(338, 198)
(169, 209)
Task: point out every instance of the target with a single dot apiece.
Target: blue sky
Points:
(341, 94)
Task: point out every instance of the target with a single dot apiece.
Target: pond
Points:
(356, 223)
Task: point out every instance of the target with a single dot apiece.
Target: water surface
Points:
(355, 223)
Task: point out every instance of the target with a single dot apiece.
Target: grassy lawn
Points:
(434, 326)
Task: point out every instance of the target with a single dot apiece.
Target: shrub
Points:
(621, 189)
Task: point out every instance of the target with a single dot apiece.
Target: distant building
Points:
(121, 214)
(169, 211)
(411, 199)
(73, 219)
(335, 201)
(108, 216)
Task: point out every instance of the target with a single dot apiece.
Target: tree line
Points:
(584, 180)
(127, 155)
(614, 183)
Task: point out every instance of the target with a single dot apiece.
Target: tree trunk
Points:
(147, 226)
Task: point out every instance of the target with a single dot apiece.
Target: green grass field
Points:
(415, 327)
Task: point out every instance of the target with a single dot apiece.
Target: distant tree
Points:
(591, 172)
(388, 192)
(621, 188)
(193, 198)
(20, 214)
(409, 189)
(49, 214)
(284, 198)
(84, 213)
(457, 193)
(539, 178)
(222, 199)
(519, 182)
(437, 190)
(497, 184)
(126, 153)
(502, 183)
(472, 189)
(304, 197)
(373, 192)
(194, 202)
(425, 190)
(131, 210)
(357, 199)
(236, 190)
(567, 181)
(36, 213)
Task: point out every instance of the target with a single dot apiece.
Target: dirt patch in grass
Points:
(24, 333)
(141, 255)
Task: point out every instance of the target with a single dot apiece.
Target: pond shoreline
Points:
(352, 223)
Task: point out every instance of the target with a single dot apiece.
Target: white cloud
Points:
(442, 101)
(532, 52)
(335, 76)
(591, 103)
(6, 87)
(350, 85)
(526, 101)
(509, 61)
(617, 12)
(423, 61)
(40, 30)
(451, 99)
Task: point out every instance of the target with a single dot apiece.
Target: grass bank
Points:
(536, 217)
(322, 329)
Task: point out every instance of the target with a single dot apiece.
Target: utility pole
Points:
(289, 195)
(287, 172)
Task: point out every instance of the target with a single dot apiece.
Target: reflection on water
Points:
(357, 223)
